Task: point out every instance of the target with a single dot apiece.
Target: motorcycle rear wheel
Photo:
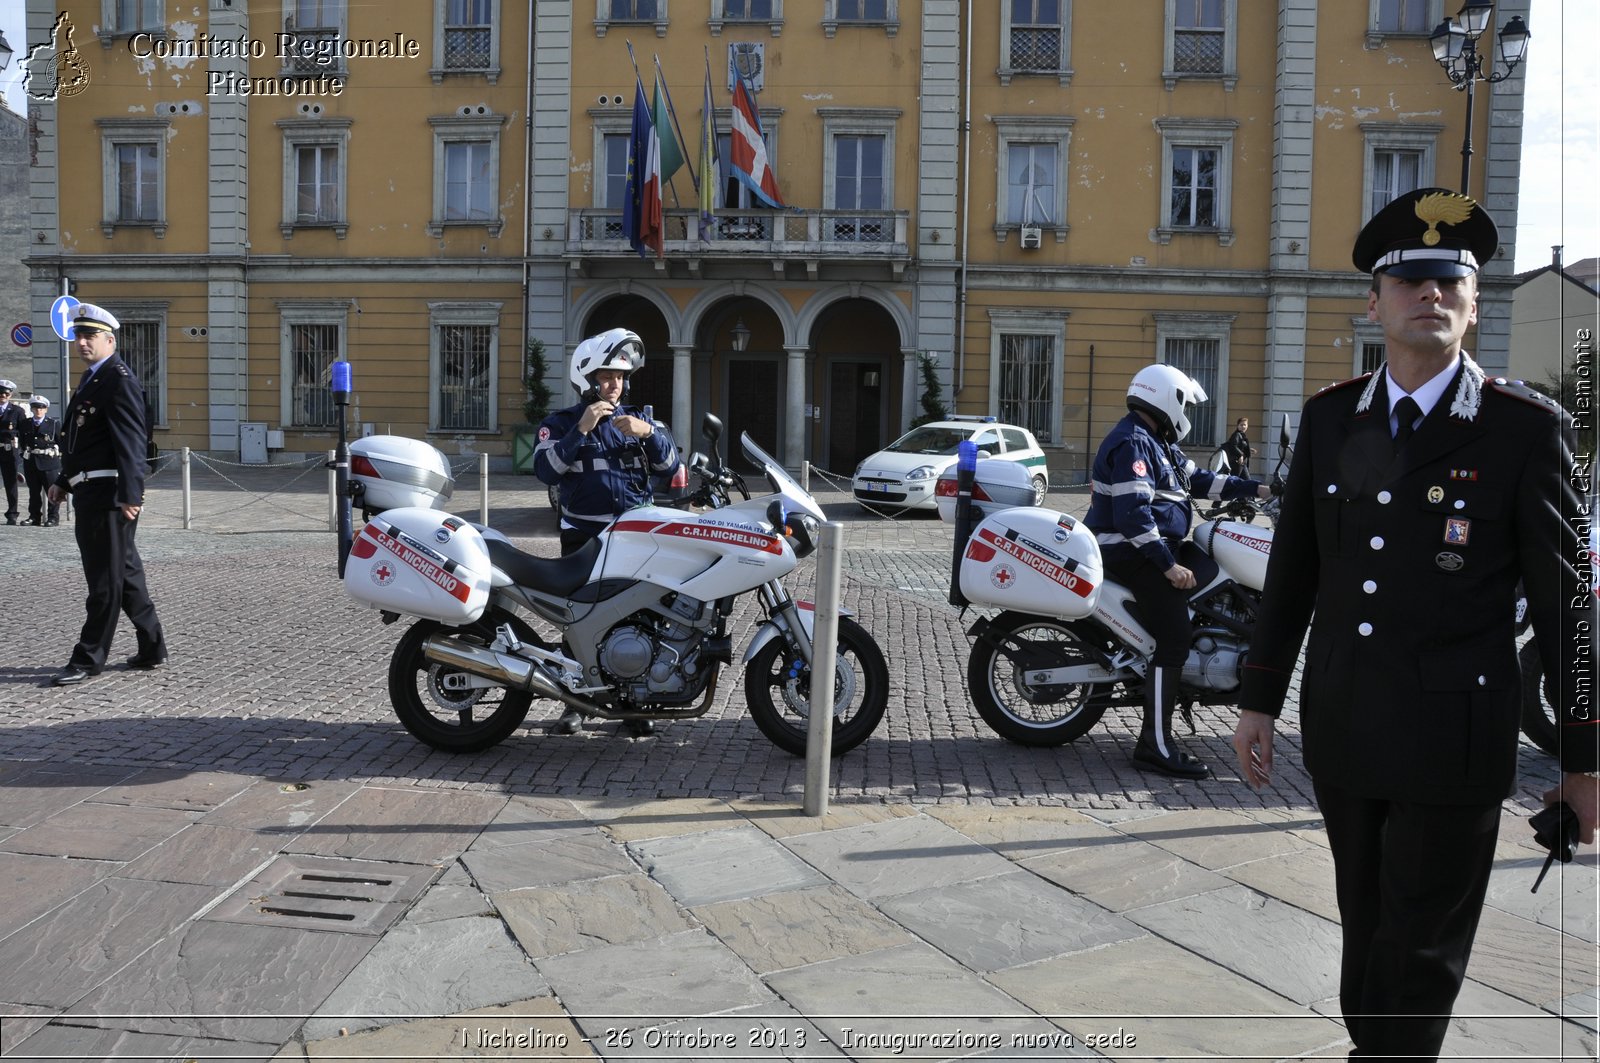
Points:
(1538, 715)
(465, 721)
(1007, 702)
(779, 703)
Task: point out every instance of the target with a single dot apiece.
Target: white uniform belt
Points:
(92, 474)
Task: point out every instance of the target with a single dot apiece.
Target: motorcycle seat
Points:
(560, 576)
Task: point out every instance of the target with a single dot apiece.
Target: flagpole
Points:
(673, 111)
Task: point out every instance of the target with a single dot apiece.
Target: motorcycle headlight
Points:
(921, 472)
(804, 532)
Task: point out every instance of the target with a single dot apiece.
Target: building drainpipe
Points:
(527, 216)
(966, 199)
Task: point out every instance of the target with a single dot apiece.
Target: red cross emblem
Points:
(1002, 576)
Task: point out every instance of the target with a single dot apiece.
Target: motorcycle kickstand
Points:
(1188, 715)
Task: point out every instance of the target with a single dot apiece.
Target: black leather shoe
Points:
(71, 675)
(571, 723)
(30, 522)
(1181, 765)
(144, 662)
(639, 728)
(51, 523)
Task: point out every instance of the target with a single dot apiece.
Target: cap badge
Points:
(1442, 208)
(1435, 495)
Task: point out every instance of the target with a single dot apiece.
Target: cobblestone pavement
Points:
(276, 673)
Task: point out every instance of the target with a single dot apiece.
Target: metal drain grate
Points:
(326, 893)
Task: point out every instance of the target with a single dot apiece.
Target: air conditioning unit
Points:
(1031, 236)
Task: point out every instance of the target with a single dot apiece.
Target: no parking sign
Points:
(22, 334)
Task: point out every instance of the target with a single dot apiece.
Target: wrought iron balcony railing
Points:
(878, 235)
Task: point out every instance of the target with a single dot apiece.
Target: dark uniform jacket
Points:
(41, 445)
(1141, 494)
(11, 419)
(1411, 688)
(602, 473)
(104, 428)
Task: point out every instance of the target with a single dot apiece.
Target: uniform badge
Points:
(544, 434)
(1469, 475)
(1456, 530)
(1436, 495)
(1140, 468)
(1002, 576)
(1449, 562)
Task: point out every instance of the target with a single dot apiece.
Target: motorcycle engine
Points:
(1216, 661)
(651, 657)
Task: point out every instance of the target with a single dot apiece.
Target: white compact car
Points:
(903, 475)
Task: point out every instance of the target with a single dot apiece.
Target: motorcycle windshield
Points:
(779, 479)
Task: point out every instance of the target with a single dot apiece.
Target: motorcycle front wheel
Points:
(1021, 713)
(778, 689)
(431, 701)
(1538, 715)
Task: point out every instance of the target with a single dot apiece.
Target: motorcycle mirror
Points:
(1283, 434)
(711, 428)
(776, 516)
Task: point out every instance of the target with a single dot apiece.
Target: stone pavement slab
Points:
(280, 807)
(35, 884)
(63, 1042)
(1120, 873)
(564, 858)
(897, 856)
(407, 826)
(1004, 921)
(618, 910)
(1530, 962)
(420, 968)
(163, 788)
(206, 856)
(721, 865)
(1216, 838)
(35, 792)
(91, 831)
(793, 928)
(1303, 879)
(452, 896)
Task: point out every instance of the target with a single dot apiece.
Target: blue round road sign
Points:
(22, 335)
(62, 311)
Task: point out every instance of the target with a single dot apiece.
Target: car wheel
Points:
(1041, 487)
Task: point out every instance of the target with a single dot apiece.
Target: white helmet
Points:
(616, 348)
(1163, 391)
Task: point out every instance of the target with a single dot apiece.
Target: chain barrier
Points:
(307, 466)
(846, 484)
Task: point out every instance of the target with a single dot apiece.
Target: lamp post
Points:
(1455, 47)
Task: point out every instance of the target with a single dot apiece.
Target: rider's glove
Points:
(1276, 486)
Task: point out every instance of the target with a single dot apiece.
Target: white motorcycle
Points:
(1069, 643)
(642, 612)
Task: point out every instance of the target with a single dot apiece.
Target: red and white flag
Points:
(747, 151)
(651, 224)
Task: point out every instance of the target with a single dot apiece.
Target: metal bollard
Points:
(333, 491)
(805, 476)
(483, 489)
(188, 495)
(824, 655)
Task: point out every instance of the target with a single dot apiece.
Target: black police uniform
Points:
(11, 417)
(41, 464)
(103, 463)
(1402, 555)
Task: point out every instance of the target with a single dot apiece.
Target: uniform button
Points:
(1333, 488)
(1365, 629)
(1461, 503)
(1483, 681)
(1383, 498)
(1377, 542)
(1370, 587)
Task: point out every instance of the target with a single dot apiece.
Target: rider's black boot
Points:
(571, 723)
(1156, 751)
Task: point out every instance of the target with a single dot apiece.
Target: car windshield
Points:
(930, 440)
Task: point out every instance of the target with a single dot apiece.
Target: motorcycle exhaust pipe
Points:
(519, 673)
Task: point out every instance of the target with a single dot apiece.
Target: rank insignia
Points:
(1456, 530)
(1435, 495)
(1449, 562)
(1469, 475)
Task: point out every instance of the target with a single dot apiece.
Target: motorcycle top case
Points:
(996, 485)
(1241, 549)
(394, 472)
(420, 562)
(1035, 561)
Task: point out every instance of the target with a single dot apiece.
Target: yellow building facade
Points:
(1038, 197)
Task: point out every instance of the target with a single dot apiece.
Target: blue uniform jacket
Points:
(603, 473)
(1140, 500)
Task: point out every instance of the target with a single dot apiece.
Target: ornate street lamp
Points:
(741, 336)
(6, 51)
(1455, 46)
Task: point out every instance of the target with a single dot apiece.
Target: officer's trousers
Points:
(115, 574)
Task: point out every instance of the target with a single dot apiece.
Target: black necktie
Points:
(1407, 412)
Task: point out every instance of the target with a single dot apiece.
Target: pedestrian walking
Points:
(1417, 497)
(41, 462)
(1238, 448)
(103, 465)
(11, 418)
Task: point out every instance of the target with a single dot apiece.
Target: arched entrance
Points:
(652, 384)
(857, 371)
(747, 375)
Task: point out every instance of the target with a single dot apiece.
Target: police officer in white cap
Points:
(104, 465)
(41, 461)
(11, 417)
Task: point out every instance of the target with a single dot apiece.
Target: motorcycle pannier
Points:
(1035, 561)
(996, 485)
(393, 472)
(420, 562)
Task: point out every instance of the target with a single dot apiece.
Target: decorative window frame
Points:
(306, 312)
(1215, 133)
(470, 123)
(1190, 325)
(1050, 323)
(308, 131)
(144, 312)
(115, 132)
(1376, 35)
(438, 72)
(1030, 129)
(339, 67)
(857, 121)
(719, 19)
(1006, 71)
(463, 313)
(1364, 332)
(1396, 136)
(109, 32)
(831, 20)
(603, 123)
(1229, 76)
(603, 20)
